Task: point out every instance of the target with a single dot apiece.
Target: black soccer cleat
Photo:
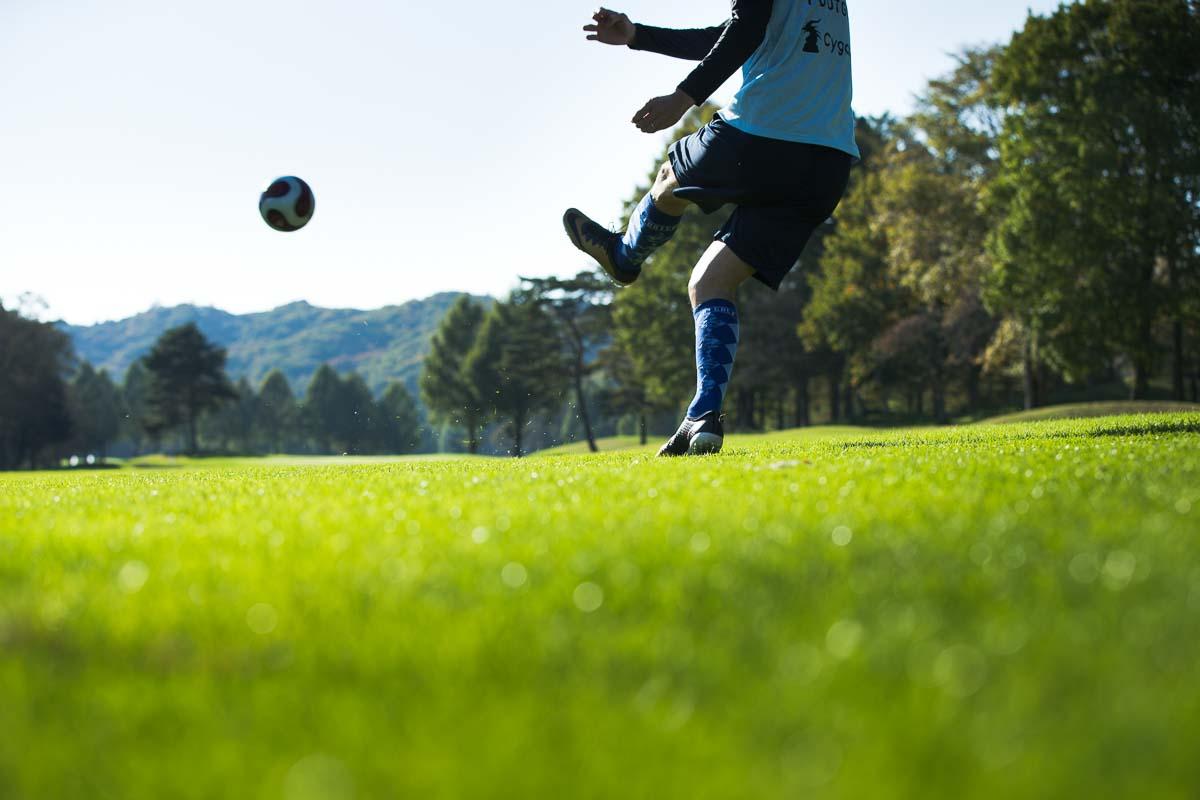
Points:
(696, 437)
(598, 242)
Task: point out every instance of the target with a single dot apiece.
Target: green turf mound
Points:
(1104, 409)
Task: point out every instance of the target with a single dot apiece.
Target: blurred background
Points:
(1023, 230)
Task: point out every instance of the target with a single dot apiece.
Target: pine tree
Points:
(323, 410)
(357, 427)
(582, 316)
(448, 391)
(96, 410)
(398, 420)
(517, 364)
(35, 358)
(276, 414)
(187, 378)
(135, 392)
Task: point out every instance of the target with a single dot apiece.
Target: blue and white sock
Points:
(649, 229)
(716, 346)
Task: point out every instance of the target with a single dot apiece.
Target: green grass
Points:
(1095, 409)
(625, 443)
(988, 611)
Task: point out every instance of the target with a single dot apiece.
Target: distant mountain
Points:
(384, 345)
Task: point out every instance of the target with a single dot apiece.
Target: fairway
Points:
(994, 611)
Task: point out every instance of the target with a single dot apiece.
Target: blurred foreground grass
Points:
(996, 611)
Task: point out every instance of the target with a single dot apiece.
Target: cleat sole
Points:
(569, 219)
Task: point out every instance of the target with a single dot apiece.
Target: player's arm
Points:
(722, 50)
(613, 27)
(692, 44)
(736, 42)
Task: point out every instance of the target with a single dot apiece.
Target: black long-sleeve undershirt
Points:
(721, 50)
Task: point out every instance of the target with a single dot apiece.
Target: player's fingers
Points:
(593, 38)
(591, 27)
(650, 110)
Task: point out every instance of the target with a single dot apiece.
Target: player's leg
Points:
(712, 290)
(651, 225)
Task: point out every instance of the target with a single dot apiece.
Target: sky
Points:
(442, 141)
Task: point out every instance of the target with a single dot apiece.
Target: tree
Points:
(187, 378)
(96, 410)
(135, 393)
(356, 426)
(447, 389)
(35, 358)
(1100, 166)
(517, 364)
(623, 394)
(657, 310)
(276, 414)
(398, 421)
(935, 237)
(854, 296)
(579, 308)
(340, 412)
(232, 423)
(323, 409)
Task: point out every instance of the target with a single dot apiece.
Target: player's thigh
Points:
(768, 239)
(718, 274)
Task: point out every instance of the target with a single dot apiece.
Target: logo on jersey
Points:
(812, 37)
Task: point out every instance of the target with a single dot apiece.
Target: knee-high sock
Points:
(716, 346)
(649, 229)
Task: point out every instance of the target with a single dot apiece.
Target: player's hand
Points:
(611, 27)
(661, 113)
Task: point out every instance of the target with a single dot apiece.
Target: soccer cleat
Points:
(696, 437)
(598, 242)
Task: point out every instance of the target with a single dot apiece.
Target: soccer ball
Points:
(287, 204)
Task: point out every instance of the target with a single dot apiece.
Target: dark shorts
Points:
(782, 190)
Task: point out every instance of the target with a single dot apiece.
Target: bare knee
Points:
(718, 275)
(705, 285)
(663, 191)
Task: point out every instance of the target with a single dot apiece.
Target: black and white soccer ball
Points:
(287, 204)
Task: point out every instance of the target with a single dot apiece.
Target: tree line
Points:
(1029, 234)
(178, 398)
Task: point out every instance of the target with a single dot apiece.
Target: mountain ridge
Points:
(383, 344)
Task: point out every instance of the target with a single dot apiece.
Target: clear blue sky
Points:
(442, 140)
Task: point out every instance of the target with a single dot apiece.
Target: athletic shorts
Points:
(782, 190)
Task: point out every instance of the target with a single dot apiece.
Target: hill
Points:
(383, 344)
(1097, 409)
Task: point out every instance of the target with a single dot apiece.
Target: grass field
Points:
(991, 611)
(1095, 409)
